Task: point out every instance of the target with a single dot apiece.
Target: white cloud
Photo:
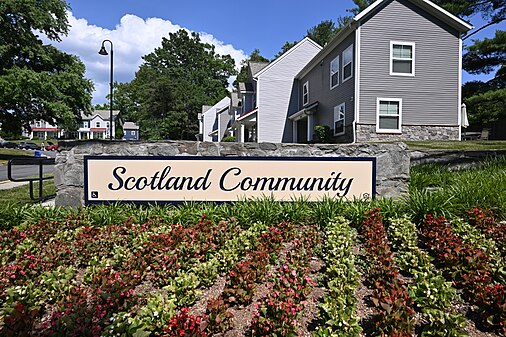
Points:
(132, 38)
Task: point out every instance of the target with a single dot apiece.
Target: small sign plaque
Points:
(178, 179)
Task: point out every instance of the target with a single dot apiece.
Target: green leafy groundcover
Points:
(140, 270)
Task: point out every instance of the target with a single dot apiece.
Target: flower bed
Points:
(469, 268)
(205, 277)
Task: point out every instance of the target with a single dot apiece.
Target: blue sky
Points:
(236, 27)
(263, 24)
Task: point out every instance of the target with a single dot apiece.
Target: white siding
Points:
(209, 118)
(277, 92)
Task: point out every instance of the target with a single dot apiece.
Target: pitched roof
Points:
(426, 5)
(429, 7)
(104, 114)
(270, 65)
(130, 126)
(257, 66)
(245, 87)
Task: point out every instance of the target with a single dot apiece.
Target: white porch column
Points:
(294, 130)
(309, 128)
(242, 133)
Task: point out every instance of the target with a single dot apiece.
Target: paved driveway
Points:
(27, 170)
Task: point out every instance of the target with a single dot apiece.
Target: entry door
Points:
(302, 131)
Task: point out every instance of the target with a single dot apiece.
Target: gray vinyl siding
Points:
(223, 119)
(431, 96)
(319, 89)
(277, 93)
(248, 103)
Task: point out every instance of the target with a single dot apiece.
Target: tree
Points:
(38, 81)
(323, 32)
(243, 73)
(174, 82)
(486, 101)
(286, 47)
(493, 11)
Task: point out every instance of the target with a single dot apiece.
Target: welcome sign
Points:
(178, 179)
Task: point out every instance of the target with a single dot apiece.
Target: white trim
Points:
(357, 75)
(338, 72)
(246, 115)
(305, 86)
(413, 61)
(310, 127)
(270, 65)
(337, 109)
(257, 103)
(450, 15)
(349, 48)
(459, 89)
(387, 99)
(294, 131)
(366, 11)
(438, 9)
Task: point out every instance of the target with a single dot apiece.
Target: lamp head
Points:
(102, 51)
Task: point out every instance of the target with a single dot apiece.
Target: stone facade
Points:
(392, 160)
(455, 159)
(367, 133)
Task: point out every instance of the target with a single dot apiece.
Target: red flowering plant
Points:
(218, 316)
(186, 325)
(469, 268)
(390, 296)
(87, 309)
(277, 311)
(485, 221)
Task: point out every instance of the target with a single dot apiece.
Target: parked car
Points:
(10, 145)
(51, 146)
(29, 146)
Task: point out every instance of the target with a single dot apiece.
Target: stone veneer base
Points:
(367, 133)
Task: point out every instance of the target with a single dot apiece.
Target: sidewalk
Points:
(7, 185)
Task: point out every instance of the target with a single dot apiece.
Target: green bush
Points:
(322, 133)
(228, 139)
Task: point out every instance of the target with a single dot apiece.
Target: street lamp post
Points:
(102, 51)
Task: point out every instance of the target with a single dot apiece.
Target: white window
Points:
(348, 63)
(339, 119)
(389, 115)
(305, 93)
(402, 58)
(85, 124)
(334, 72)
(97, 124)
(133, 132)
(37, 124)
(107, 124)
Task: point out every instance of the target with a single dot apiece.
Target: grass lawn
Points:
(7, 154)
(472, 145)
(21, 195)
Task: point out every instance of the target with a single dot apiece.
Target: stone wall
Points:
(393, 160)
(453, 158)
(367, 133)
